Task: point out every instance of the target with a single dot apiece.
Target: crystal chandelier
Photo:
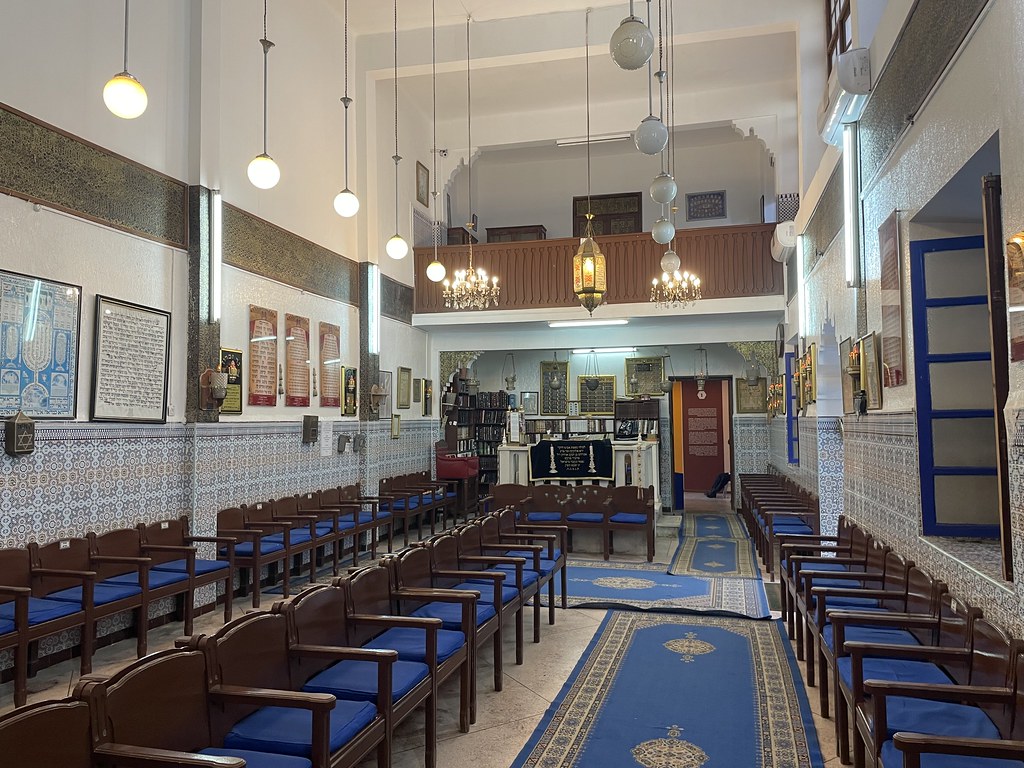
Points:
(675, 290)
(470, 288)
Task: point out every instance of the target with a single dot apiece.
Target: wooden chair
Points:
(551, 537)
(27, 735)
(257, 547)
(630, 508)
(170, 545)
(302, 534)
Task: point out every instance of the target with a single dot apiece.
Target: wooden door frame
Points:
(729, 415)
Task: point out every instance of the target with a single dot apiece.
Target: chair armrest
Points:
(382, 620)
(297, 519)
(283, 525)
(934, 653)
(376, 655)
(131, 756)
(436, 595)
(952, 745)
(898, 620)
(83, 575)
(491, 560)
(15, 591)
(212, 539)
(240, 533)
(120, 559)
(976, 694)
(524, 545)
(167, 548)
(491, 575)
(270, 697)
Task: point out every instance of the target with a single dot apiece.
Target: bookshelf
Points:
(572, 426)
(475, 423)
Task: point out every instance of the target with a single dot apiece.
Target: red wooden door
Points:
(705, 452)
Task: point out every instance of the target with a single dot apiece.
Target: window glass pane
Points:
(949, 274)
(964, 442)
(958, 329)
(968, 499)
(957, 386)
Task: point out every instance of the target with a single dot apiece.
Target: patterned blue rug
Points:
(643, 587)
(713, 545)
(664, 691)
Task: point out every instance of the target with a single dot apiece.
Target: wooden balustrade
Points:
(731, 262)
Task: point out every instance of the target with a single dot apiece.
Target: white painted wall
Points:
(103, 261)
(242, 289)
(401, 345)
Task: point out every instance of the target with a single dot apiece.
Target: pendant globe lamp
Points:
(663, 188)
(663, 231)
(651, 136)
(435, 270)
(123, 94)
(397, 248)
(346, 204)
(632, 43)
(263, 171)
(589, 275)
(670, 261)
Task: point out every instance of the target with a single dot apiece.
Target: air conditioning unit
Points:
(846, 94)
(784, 241)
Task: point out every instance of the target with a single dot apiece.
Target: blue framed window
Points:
(792, 417)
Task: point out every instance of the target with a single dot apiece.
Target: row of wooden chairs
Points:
(772, 506)
(919, 677)
(320, 680)
(585, 507)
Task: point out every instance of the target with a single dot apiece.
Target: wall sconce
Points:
(377, 397)
(19, 435)
(359, 443)
(752, 374)
(666, 381)
(213, 388)
(510, 379)
(700, 367)
(555, 381)
(343, 442)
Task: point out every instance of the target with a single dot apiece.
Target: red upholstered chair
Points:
(462, 475)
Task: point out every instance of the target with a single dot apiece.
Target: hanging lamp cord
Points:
(650, 71)
(125, 35)
(267, 45)
(433, 81)
(345, 99)
(469, 138)
(586, 57)
(397, 158)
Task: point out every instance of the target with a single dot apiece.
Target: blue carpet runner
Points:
(646, 587)
(713, 544)
(669, 691)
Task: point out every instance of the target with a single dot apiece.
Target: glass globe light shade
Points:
(666, 386)
(651, 136)
(663, 231)
(663, 188)
(263, 172)
(631, 44)
(125, 96)
(670, 261)
(593, 383)
(346, 203)
(436, 272)
(397, 248)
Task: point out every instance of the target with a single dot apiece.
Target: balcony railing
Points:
(731, 262)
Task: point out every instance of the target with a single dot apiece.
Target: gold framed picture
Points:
(404, 394)
(422, 184)
(599, 401)
(644, 375)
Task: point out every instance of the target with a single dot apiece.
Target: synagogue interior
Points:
(578, 385)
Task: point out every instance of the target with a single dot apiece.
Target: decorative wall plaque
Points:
(705, 205)
(296, 357)
(596, 402)
(351, 392)
(262, 356)
(404, 392)
(891, 283)
(231, 364)
(644, 375)
(554, 400)
(751, 399)
(39, 331)
(330, 366)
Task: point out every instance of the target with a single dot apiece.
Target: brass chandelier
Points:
(470, 288)
(676, 290)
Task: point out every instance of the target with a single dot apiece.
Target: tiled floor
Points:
(505, 720)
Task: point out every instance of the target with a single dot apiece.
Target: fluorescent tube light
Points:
(216, 254)
(584, 323)
(603, 350)
(581, 141)
(851, 205)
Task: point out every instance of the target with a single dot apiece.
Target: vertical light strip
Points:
(373, 302)
(216, 254)
(801, 285)
(851, 205)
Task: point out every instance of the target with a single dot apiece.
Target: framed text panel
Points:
(596, 402)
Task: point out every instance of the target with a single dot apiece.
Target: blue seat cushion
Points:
(586, 517)
(817, 566)
(39, 610)
(451, 494)
(246, 548)
(6, 627)
(876, 635)
(157, 579)
(873, 580)
(411, 643)
(345, 525)
(544, 517)
(893, 670)
(629, 517)
(259, 759)
(364, 517)
(203, 567)
(324, 529)
(357, 680)
(545, 567)
(299, 535)
(400, 504)
(893, 758)
(529, 555)
(450, 614)
(288, 731)
(529, 576)
(941, 718)
(508, 593)
(794, 528)
(105, 592)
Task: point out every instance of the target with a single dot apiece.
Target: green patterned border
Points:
(42, 164)
(257, 246)
(395, 300)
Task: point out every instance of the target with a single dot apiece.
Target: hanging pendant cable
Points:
(345, 99)
(433, 80)
(469, 150)
(662, 96)
(126, 36)
(590, 214)
(650, 70)
(397, 157)
(670, 18)
(267, 45)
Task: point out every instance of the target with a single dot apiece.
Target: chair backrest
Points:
(329, 497)
(895, 579)
(923, 594)
(956, 626)
(259, 512)
(14, 569)
(548, 498)
(160, 701)
(310, 500)
(490, 529)
(506, 517)
(412, 568)
(316, 616)
(124, 542)
(287, 506)
(470, 539)
(627, 498)
(369, 593)
(444, 552)
(509, 495)
(48, 734)
(589, 498)
(165, 533)
(63, 554)
(1017, 728)
(231, 519)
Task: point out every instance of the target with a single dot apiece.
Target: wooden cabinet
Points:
(461, 236)
(637, 417)
(516, 234)
(617, 214)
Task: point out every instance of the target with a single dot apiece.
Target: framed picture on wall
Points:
(428, 397)
(530, 401)
(422, 185)
(871, 365)
(846, 364)
(396, 426)
(751, 399)
(384, 384)
(404, 393)
(130, 362)
(231, 364)
(417, 390)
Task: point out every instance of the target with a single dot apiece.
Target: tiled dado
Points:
(831, 471)
(93, 477)
(751, 449)
(805, 472)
